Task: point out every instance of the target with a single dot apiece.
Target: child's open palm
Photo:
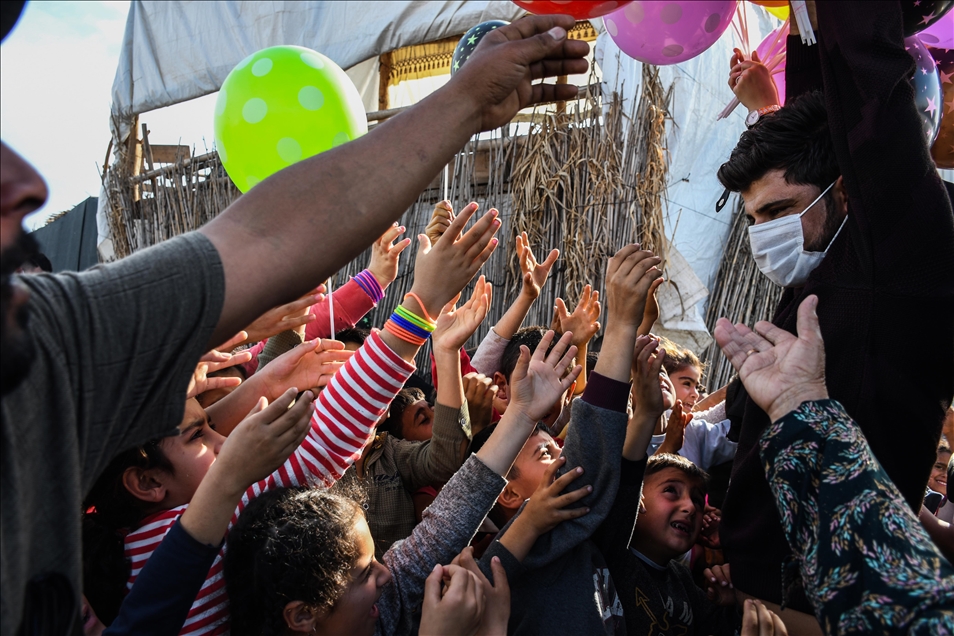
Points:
(540, 380)
(456, 325)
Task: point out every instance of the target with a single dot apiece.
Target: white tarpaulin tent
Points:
(177, 51)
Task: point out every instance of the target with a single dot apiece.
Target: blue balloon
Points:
(470, 41)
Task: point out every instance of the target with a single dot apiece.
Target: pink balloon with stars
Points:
(669, 31)
(927, 88)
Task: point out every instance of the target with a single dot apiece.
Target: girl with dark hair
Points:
(303, 560)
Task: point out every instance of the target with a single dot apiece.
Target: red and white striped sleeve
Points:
(143, 541)
(344, 419)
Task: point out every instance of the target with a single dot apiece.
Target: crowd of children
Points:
(352, 505)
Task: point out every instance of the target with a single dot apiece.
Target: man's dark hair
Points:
(795, 140)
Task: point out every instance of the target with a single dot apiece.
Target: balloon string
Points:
(331, 310)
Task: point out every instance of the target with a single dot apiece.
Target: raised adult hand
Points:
(310, 365)
(498, 77)
(534, 274)
(751, 81)
(386, 255)
(779, 370)
(540, 380)
(442, 270)
(456, 325)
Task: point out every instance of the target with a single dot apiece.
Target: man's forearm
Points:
(267, 238)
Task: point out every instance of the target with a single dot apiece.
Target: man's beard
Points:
(15, 345)
(829, 228)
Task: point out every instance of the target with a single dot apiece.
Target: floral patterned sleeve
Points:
(866, 563)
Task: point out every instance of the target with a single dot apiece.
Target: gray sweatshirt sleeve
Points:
(433, 462)
(595, 442)
(487, 357)
(447, 527)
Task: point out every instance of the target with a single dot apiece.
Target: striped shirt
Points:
(343, 421)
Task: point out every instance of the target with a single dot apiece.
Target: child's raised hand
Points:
(441, 218)
(629, 277)
(453, 608)
(758, 620)
(719, 588)
(647, 392)
(264, 439)
(540, 380)
(456, 325)
(310, 365)
(584, 321)
(285, 317)
(676, 429)
(534, 274)
(651, 312)
(496, 594)
(443, 269)
(386, 255)
(547, 506)
(213, 361)
(479, 391)
(709, 535)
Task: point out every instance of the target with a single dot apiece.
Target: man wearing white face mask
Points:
(845, 203)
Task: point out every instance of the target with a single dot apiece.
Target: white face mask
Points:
(778, 247)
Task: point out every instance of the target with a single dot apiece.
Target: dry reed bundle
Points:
(741, 293)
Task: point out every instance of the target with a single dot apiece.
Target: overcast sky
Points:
(56, 72)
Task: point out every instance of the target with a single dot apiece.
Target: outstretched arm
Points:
(292, 210)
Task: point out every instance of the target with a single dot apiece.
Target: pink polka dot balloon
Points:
(669, 31)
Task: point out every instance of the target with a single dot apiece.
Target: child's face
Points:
(356, 611)
(938, 479)
(670, 523)
(686, 382)
(417, 422)
(532, 462)
(191, 453)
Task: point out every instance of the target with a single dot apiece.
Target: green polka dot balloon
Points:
(281, 105)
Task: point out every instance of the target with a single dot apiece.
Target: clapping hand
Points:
(213, 361)
(540, 380)
(779, 370)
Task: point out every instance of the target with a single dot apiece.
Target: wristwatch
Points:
(756, 115)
